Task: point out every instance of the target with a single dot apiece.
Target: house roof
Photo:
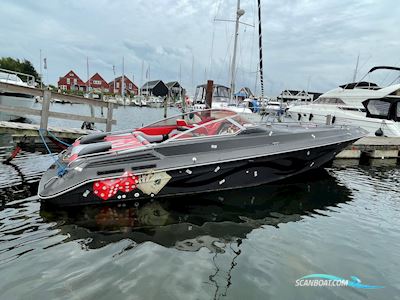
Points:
(151, 84)
(172, 84)
(119, 78)
(246, 91)
(97, 76)
(63, 80)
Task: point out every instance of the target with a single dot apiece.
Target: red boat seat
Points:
(156, 138)
(181, 123)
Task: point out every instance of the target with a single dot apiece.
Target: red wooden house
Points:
(97, 83)
(130, 87)
(71, 82)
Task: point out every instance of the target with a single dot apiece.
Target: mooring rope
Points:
(61, 169)
(57, 139)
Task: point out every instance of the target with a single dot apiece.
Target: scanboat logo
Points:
(319, 280)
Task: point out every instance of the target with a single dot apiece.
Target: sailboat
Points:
(222, 96)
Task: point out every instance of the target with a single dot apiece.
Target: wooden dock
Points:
(32, 130)
(373, 147)
(45, 113)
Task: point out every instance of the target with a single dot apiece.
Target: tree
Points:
(22, 66)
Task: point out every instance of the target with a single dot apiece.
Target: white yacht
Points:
(363, 104)
(15, 99)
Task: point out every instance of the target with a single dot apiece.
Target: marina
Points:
(184, 150)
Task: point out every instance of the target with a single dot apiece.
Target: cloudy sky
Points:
(307, 44)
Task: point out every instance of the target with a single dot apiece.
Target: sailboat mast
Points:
(141, 78)
(87, 73)
(239, 13)
(123, 79)
(356, 69)
(260, 50)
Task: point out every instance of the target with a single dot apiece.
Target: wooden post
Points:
(44, 119)
(209, 92)
(165, 106)
(101, 108)
(91, 106)
(109, 116)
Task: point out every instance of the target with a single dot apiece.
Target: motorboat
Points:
(16, 99)
(363, 104)
(194, 152)
(273, 107)
(155, 102)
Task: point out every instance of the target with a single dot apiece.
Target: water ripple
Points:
(250, 243)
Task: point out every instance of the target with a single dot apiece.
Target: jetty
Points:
(373, 147)
(32, 130)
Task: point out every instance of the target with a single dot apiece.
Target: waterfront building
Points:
(71, 82)
(174, 89)
(115, 86)
(97, 84)
(155, 88)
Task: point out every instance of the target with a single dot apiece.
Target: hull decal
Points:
(153, 183)
(150, 184)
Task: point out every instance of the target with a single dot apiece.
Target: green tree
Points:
(23, 66)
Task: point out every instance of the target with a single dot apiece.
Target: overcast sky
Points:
(307, 44)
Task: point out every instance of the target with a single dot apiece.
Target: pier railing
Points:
(45, 112)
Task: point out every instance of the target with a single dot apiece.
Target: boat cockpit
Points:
(220, 93)
(191, 125)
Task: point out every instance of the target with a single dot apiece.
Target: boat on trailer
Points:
(194, 152)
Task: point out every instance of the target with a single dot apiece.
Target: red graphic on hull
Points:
(108, 188)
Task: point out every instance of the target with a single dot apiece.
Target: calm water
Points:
(249, 244)
(126, 116)
(246, 244)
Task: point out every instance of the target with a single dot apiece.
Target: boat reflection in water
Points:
(210, 220)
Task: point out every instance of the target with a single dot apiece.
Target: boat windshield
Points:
(200, 94)
(221, 92)
(378, 108)
(193, 118)
(9, 77)
(230, 125)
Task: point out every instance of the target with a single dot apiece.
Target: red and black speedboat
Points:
(195, 152)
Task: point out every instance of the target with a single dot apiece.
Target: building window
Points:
(96, 82)
(75, 81)
(117, 85)
(68, 81)
(71, 74)
(130, 86)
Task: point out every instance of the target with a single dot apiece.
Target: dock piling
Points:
(44, 118)
(110, 107)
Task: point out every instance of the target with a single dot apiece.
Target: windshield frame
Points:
(182, 115)
(228, 118)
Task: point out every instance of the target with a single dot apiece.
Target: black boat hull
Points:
(213, 177)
